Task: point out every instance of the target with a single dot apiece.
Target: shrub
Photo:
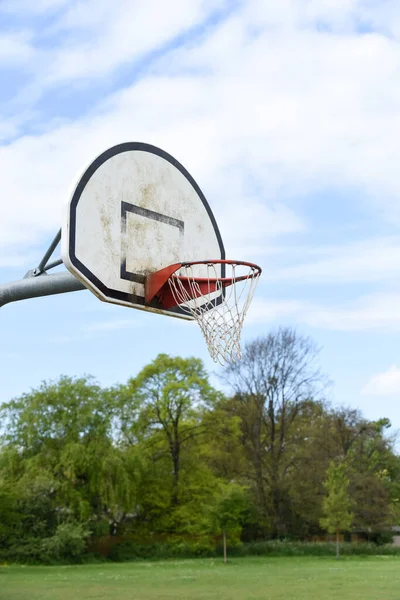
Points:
(131, 550)
(67, 544)
(382, 537)
(286, 548)
(26, 551)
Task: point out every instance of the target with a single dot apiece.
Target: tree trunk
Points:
(337, 545)
(276, 508)
(262, 500)
(224, 542)
(175, 455)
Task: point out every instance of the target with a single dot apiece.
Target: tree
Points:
(276, 377)
(169, 456)
(337, 504)
(61, 455)
(304, 482)
(229, 510)
(368, 451)
(11, 519)
(173, 394)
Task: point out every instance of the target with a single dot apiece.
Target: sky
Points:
(287, 115)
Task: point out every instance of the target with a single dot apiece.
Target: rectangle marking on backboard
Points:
(147, 244)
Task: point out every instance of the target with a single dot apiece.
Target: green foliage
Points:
(11, 518)
(68, 410)
(174, 394)
(27, 550)
(382, 538)
(229, 510)
(287, 548)
(168, 466)
(131, 550)
(337, 503)
(207, 547)
(68, 543)
(60, 455)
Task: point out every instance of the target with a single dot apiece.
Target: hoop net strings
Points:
(219, 310)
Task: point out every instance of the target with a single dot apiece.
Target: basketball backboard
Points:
(134, 211)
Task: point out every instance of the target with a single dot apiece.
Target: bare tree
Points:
(271, 384)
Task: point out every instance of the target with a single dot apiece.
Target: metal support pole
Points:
(54, 263)
(42, 265)
(43, 285)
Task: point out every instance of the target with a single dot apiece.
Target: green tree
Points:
(60, 454)
(231, 504)
(11, 519)
(154, 455)
(324, 435)
(306, 474)
(371, 461)
(173, 394)
(337, 503)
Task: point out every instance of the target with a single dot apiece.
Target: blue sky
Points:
(286, 113)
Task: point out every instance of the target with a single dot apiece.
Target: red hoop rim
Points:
(156, 282)
(219, 261)
(225, 280)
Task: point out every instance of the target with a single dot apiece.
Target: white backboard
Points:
(135, 210)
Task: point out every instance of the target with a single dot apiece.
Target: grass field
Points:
(376, 578)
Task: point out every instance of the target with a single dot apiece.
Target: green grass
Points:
(254, 578)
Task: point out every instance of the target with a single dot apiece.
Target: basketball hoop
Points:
(216, 293)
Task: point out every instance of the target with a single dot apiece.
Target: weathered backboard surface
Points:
(134, 211)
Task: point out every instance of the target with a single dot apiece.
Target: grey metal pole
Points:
(49, 252)
(43, 285)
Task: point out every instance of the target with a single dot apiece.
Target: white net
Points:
(218, 304)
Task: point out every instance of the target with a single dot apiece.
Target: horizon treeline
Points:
(167, 454)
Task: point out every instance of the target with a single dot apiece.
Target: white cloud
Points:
(271, 311)
(343, 16)
(15, 49)
(307, 105)
(262, 109)
(383, 16)
(375, 312)
(250, 221)
(384, 384)
(39, 170)
(95, 37)
(15, 259)
(27, 7)
(371, 260)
